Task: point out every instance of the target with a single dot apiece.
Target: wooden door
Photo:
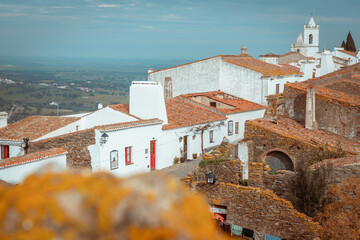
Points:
(185, 147)
(152, 155)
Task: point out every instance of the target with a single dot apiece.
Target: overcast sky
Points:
(166, 29)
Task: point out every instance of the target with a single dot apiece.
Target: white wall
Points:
(244, 157)
(17, 174)
(339, 54)
(138, 138)
(281, 80)
(242, 82)
(100, 117)
(170, 145)
(147, 100)
(15, 148)
(241, 118)
(195, 77)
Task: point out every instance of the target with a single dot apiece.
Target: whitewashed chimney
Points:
(310, 120)
(100, 106)
(3, 119)
(147, 100)
(307, 68)
(327, 63)
(150, 70)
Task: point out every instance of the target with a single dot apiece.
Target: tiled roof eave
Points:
(171, 128)
(32, 160)
(127, 127)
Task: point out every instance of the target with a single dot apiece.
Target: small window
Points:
(237, 128)
(77, 128)
(213, 104)
(114, 161)
(230, 128)
(211, 135)
(128, 155)
(5, 151)
(310, 39)
(277, 88)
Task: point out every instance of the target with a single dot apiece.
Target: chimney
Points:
(244, 50)
(307, 68)
(147, 100)
(150, 70)
(310, 121)
(168, 91)
(326, 63)
(3, 119)
(100, 105)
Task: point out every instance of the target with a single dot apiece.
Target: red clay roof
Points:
(237, 104)
(132, 124)
(267, 69)
(247, 61)
(290, 67)
(32, 157)
(34, 127)
(124, 108)
(182, 114)
(348, 53)
(270, 54)
(338, 162)
(292, 129)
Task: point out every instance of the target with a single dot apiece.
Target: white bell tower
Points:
(311, 38)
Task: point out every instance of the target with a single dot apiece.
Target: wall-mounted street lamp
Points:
(104, 138)
(210, 177)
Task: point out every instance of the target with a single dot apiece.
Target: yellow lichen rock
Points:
(74, 205)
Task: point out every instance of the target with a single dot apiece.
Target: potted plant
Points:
(183, 155)
(180, 139)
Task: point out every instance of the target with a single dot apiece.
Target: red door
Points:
(152, 154)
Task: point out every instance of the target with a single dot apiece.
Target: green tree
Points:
(350, 44)
(343, 45)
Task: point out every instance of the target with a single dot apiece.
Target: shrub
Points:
(176, 160)
(325, 152)
(308, 192)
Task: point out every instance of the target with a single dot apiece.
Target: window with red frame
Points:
(128, 155)
(5, 151)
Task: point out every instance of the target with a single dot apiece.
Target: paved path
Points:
(180, 170)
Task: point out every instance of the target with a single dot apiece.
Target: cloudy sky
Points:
(167, 29)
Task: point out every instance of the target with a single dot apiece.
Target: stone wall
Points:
(259, 210)
(333, 116)
(76, 144)
(264, 141)
(229, 171)
(281, 182)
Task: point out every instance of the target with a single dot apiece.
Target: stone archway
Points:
(278, 160)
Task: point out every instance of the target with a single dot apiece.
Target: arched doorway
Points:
(279, 161)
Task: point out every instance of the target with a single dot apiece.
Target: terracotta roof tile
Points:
(32, 157)
(124, 108)
(338, 162)
(234, 104)
(290, 67)
(124, 125)
(182, 114)
(267, 69)
(270, 54)
(34, 127)
(293, 129)
(348, 52)
(247, 61)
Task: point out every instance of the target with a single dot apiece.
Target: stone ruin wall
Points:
(259, 210)
(337, 117)
(76, 144)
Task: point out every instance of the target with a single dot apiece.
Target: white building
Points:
(305, 55)
(240, 75)
(146, 134)
(308, 46)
